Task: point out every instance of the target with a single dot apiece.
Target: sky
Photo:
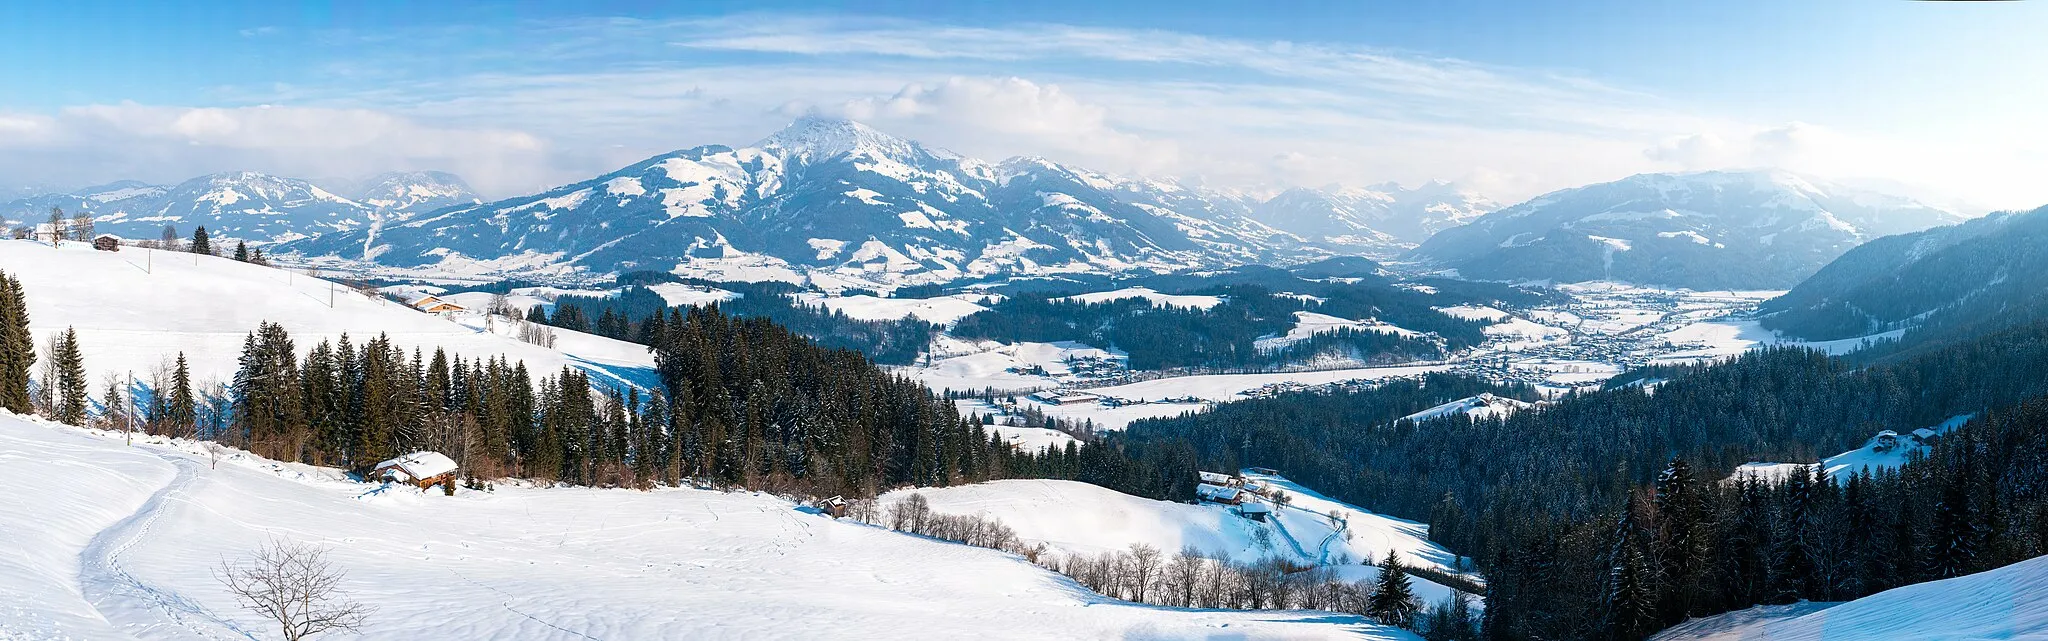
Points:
(1512, 99)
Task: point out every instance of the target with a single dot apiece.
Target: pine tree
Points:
(1683, 536)
(71, 390)
(1954, 549)
(17, 347)
(182, 409)
(200, 243)
(241, 252)
(1393, 598)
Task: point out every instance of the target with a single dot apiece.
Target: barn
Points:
(422, 469)
(1055, 397)
(1219, 478)
(1254, 511)
(106, 243)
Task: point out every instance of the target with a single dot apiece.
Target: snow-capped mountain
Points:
(412, 192)
(1708, 230)
(242, 205)
(827, 196)
(1378, 218)
(1979, 276)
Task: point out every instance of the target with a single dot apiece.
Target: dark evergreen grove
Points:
(744, 403)
(17, 347)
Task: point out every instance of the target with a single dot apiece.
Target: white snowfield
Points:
(1001, 366)
(1164, 300)
(135, 308)
(2008, 603)
(942, 310)
(1308, 324)
(1873, 455)
(108, 541)
(1071, 517)
(1478, 407)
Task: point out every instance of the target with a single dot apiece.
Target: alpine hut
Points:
(422, 469)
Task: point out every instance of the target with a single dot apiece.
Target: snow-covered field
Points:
(135, 308)
(942, 310)
(2008, 603)
(1147, 293)
(112, 541)
(1078, 518)
(1231, 387)
(1874, 455)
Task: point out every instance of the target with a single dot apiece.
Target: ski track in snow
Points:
(144, 610)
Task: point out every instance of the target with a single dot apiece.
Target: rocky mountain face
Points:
(1707, 230)
(411, 192)
(828, 197)
(1978, 276)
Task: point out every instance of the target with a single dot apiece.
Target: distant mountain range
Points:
(836, 197)
(1959, 280)
(1709, 230)
(246, 205)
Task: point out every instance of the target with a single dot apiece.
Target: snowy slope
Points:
(108, 541)
(942, 310)
(244, 205)
(1477, 407)
(2006, 603)
(134, 308)
(1190, 301)
(1079, 518)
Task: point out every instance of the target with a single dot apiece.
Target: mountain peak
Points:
(813, 137)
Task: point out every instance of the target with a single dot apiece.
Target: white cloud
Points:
(173, 143)
(994, 117)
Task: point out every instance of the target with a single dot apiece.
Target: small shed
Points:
(835, 506)
(1219, 494)
(1254, 511)
(423, 469)
(106, 243)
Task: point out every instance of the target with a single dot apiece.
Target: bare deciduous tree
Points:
(295, 586)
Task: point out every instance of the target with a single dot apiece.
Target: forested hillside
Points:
(1537, 492)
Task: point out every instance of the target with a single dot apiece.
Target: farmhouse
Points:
(1056, 397)
(1219, 494)
(423, 469)
(106, 243)
(1219, 478)
(1255, 511)
(431, 304)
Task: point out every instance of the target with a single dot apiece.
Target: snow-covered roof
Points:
(1253, 508)
(421, 465)
(1215, 492)
(1218, 478)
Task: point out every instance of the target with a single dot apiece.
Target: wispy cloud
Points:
(587, 96)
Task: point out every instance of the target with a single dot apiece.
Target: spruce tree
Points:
(1683, 536)
(200, 243)
(241, 252)
(182, 410)
(17, 347)
(1393, 598)
(71, 390)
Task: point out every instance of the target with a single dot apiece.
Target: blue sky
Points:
(1512, 97)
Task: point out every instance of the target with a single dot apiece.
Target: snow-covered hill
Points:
(111, 541)
(2008, 603)
(1071, 517)
(1709, 230)
(134, 308)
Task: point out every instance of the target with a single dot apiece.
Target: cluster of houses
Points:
(1237, 490)
(1064, 397)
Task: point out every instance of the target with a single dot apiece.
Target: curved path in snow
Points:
(140, 609)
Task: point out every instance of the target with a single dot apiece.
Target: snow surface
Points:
(1071, 517)
(1308, 324)
(1847, 464)
(2008, 603)
(135, 308)
(110, 541)
(943, 310)
(1477, 407)
(1164, 300)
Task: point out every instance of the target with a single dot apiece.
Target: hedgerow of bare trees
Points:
(294, 586)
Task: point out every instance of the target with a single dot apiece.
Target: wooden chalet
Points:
(421, 469)
(834, 507)
(106, 243)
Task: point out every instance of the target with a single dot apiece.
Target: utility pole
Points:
(128, 426)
